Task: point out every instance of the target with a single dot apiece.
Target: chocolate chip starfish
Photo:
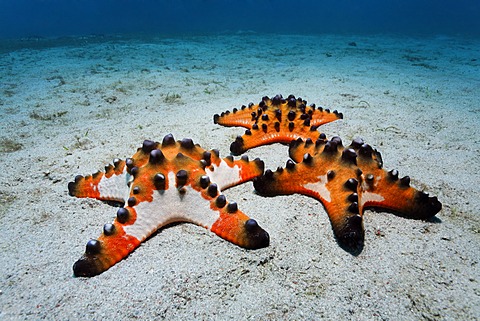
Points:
(275, 120)
(172, 181)
(346, 180)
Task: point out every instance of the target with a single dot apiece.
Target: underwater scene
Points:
(239, 160)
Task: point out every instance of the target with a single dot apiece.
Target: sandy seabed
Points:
(69, 106)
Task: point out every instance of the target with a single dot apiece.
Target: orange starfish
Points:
(346, 180)
(172, 181)
(275, 120)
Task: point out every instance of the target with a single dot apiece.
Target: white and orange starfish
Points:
(172, 181)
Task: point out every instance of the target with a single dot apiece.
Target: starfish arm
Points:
(333, 191)
(345, 217)
(381, 189)
(227, 172)
(384, 190)
(280, 182)
(111, 185)
(299, 147)
(169, 148)
(236, 227)
(245, 117)
(266, 134)
(322, 116)
(111, 247)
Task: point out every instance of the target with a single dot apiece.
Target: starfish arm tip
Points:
(257, 237)
(424, 207)
(259, 184)
(86, 267)
(350, 235)
(236, 148)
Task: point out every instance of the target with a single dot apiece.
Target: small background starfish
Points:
(275, 120)
(346, 181)
(172, 181)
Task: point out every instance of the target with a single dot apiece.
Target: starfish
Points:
(346, 180)
(275, 120)
(163, 183)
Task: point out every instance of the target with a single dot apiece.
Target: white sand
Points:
(73, 108)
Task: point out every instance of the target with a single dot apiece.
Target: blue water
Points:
(27, 18)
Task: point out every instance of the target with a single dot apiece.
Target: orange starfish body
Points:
(346, 180)
(275, 120)
(172, 181)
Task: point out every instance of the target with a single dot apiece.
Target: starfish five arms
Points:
(346, 180)
(172, 181)
(275, 120)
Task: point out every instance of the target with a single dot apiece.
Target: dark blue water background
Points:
(45, 18)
